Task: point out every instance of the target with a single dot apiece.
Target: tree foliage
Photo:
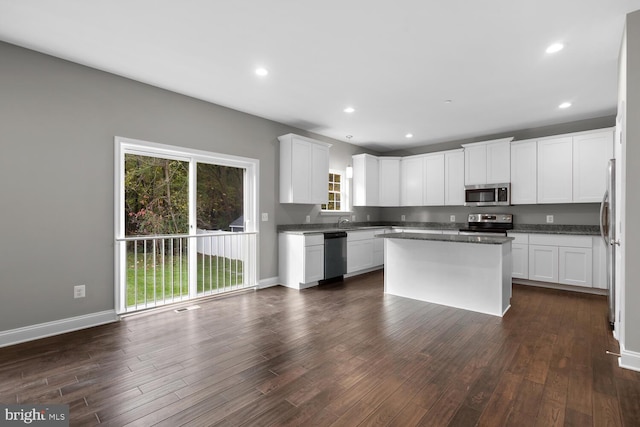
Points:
(219, 196)
(157, 196)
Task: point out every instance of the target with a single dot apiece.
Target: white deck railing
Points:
(172, 268)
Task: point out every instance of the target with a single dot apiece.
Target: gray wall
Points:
(576, 214)
(58, 121)
(631, 237)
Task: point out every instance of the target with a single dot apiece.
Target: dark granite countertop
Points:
(588, 230)
(585, 230)
(354, 226)
(485, 240)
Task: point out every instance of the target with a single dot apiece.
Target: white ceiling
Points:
(394, 62)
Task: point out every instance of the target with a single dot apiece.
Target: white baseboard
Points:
(559, 286)
(267, 283)
(629, 359)
(57, 327)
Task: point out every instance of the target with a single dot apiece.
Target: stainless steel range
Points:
(488, 225)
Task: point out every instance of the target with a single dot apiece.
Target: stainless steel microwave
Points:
(487, 195)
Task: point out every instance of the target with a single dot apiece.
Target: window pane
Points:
(336, 187)
(220, 197)
(156, 195)
(331, 187)
(331, 206)
(337, 206)
(337, 178)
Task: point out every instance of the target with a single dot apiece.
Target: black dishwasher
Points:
(335, 254)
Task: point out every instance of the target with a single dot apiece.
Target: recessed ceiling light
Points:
(564, 105)
(349, 110)
(448, 101)
(409, 135)
(262, 72)
(556, 47)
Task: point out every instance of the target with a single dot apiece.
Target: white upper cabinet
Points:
(365, 180)
(487, 162)
(454, 178)
(389, 181)
(412, 181)
(434, 180)
(555, 170)
(572, 168)
(304, 170)
(376, 180)
(524, 173)
(475, 164)
(319, 173)
(498, 162)
(591, 154)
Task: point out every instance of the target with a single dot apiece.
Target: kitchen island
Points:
(468, 272)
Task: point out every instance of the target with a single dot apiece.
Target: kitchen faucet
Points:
(343, 222)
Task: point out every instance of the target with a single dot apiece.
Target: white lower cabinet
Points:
(575, 266)
(301, 259)
(543, 263)
(520, 261)
(359, 255)
(557, 258)
(360, 248)
(378, 248)
(313, 263)
(520, 255)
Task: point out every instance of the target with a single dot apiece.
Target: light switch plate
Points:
(452, 218)
(265, 216)
(549, 219)
(308, 219)
(403, 218)
(368, 217)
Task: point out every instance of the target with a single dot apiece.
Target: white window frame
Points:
(145, 148)
(345, 184)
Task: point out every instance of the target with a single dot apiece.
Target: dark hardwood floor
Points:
(337, 355)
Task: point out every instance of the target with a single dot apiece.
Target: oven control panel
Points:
(491, 218)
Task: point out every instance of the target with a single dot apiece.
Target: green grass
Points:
(144, 278)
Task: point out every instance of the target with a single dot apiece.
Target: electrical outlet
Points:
(549, 219)
(452, 218)
(308, 219)
(353, 218)
(403, 217)
(265, 216)
(79, 291)
(368, 217)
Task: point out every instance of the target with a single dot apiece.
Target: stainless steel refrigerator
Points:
(608, 233)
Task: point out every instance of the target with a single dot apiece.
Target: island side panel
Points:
(462, 275)
(507, 269)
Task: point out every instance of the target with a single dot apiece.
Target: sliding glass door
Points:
(185, 224)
